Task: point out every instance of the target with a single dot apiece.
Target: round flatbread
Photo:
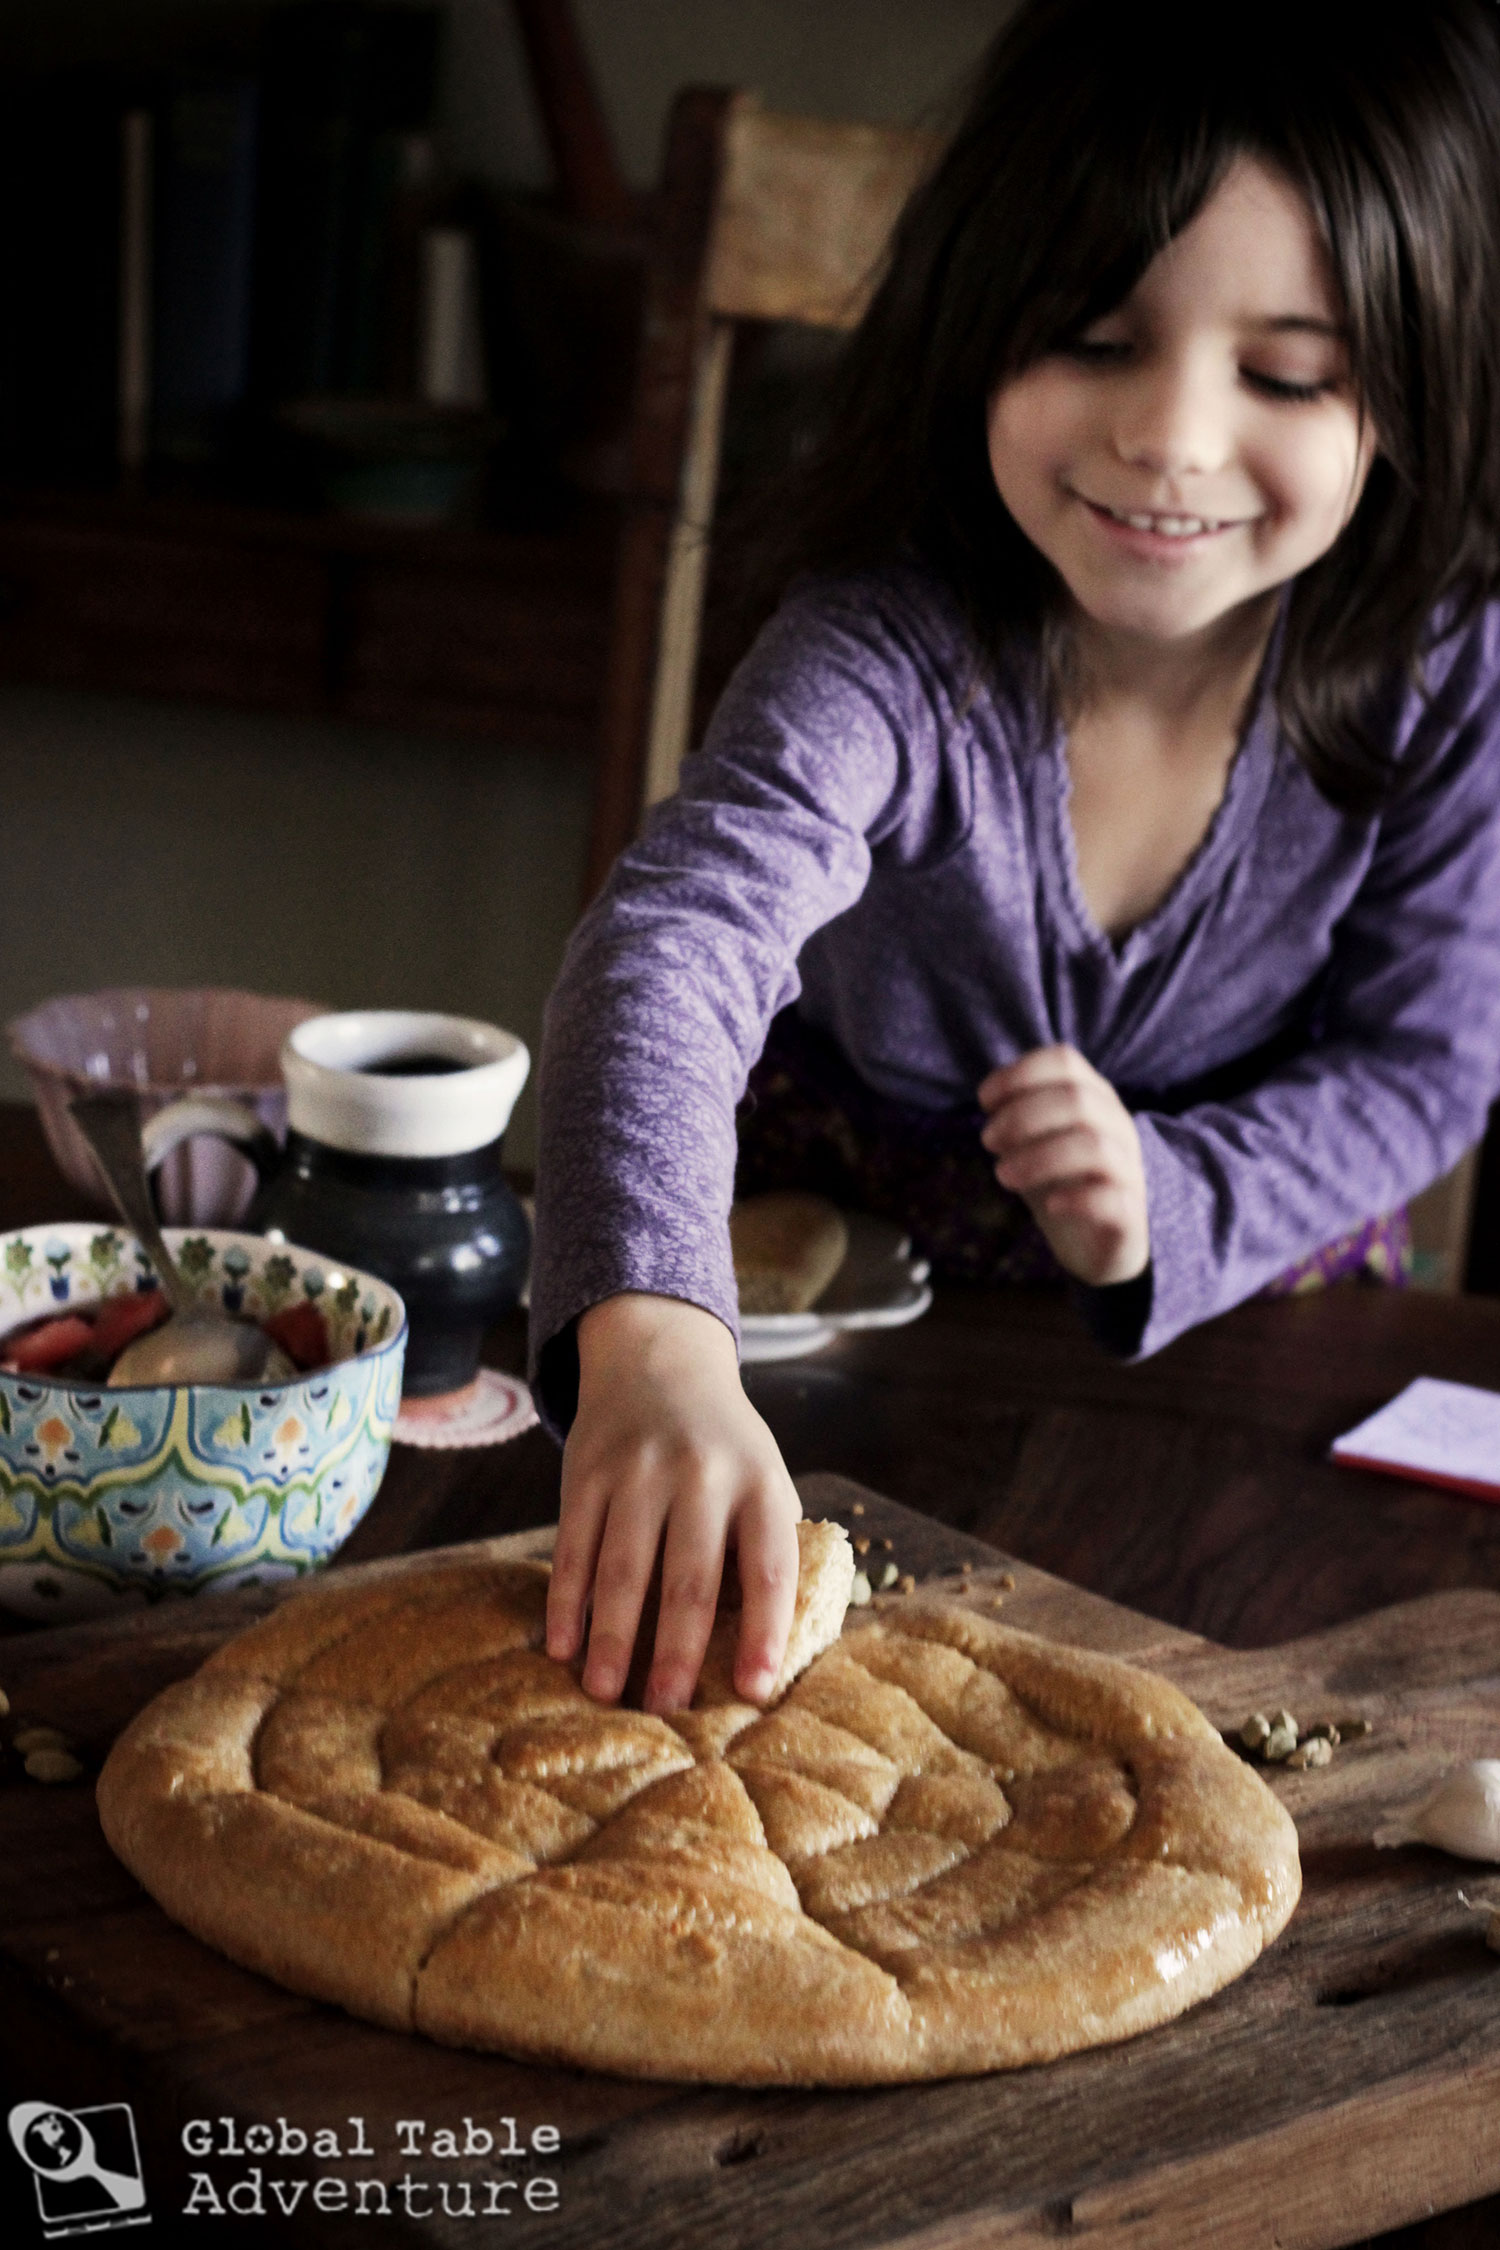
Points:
(949, 1847)
(787, 1247)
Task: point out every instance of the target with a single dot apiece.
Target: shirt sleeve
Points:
(671, 979)
(1396, 1081)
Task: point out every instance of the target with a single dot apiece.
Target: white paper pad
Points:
(1439, 1433)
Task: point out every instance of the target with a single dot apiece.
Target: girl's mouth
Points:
(1160, 523)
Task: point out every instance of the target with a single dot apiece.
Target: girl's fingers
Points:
(1026, 1117)
(1043, 1066)
(691, 1570)
(1080, 1153)
(766, 1551)
(1062, 1138)
(579, 1531)
(627, 1556)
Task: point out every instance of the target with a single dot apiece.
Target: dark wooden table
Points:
(1195, 1488)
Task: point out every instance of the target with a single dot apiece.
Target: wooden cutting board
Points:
(1349, 2083)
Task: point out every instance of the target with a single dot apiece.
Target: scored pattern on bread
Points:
(949, 1847)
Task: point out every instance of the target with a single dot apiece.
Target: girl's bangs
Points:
(1147, 140)
(1122, 212)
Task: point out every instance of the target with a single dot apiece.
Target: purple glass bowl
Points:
(163, 1043)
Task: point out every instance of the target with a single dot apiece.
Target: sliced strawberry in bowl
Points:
(302, 1334)
(49, 1345)
(120, 1320)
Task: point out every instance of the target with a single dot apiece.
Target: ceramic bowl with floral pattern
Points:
(111, 1497)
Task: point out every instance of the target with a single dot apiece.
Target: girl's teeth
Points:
(1171, 527)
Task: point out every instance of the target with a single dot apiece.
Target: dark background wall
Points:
(170, 844)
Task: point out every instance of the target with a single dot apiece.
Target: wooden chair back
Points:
(761, 217)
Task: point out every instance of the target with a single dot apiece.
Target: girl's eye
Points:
(1275, 386)
(1096, 351)
(1113, 351)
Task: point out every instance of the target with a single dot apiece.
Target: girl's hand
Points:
(665, 1441)
(1068, 1146)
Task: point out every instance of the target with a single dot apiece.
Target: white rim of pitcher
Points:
(333, 1096)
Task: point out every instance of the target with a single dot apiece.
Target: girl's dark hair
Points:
(1096, 131)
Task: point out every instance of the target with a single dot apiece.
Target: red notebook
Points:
(1439, 1433)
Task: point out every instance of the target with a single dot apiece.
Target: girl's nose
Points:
(1173, 420)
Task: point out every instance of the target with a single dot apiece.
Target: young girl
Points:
(1110, 817)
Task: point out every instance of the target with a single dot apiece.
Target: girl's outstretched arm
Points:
(667, 1455)
(826, 747)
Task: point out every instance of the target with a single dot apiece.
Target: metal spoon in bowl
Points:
(197, 1344)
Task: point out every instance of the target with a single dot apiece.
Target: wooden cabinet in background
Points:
(488, 633)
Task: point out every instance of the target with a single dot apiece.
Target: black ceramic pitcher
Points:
(396, 1121)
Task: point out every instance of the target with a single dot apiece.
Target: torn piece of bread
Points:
(787, 1248)
(825, 1579)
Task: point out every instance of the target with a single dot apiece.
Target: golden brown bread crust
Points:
(951, 1846)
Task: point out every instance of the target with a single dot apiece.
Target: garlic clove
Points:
(1462, 1815)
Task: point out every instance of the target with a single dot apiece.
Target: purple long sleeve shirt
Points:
(868, 835)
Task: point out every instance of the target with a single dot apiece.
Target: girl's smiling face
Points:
(1201, 444)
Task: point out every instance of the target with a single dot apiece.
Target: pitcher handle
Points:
(210, 1113)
